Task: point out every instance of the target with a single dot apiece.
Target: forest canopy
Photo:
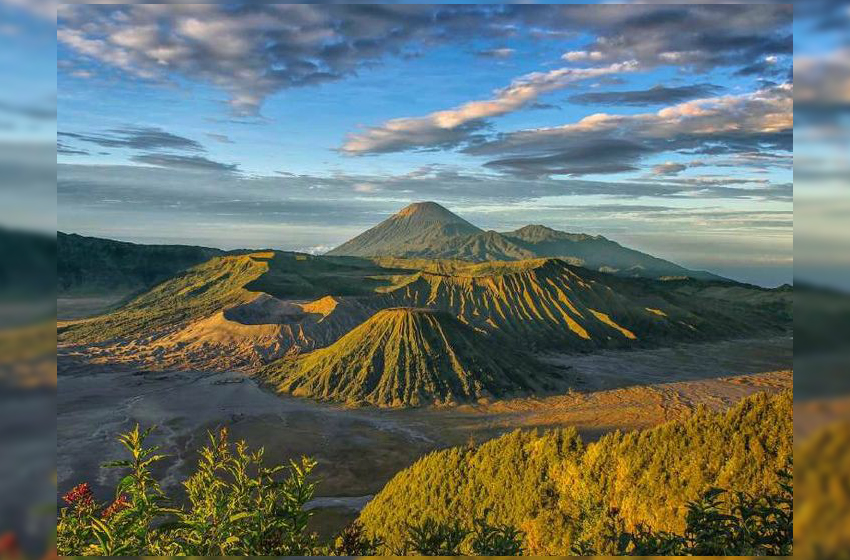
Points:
(559, 492)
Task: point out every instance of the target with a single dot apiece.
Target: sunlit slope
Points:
(558, 490)
(251, 334)
(197, 292)
(408, 357)
(207, 292)
(547, 303)
(243, 311)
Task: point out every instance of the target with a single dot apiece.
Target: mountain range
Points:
(424, 308)
(406, 332)
(428, 230)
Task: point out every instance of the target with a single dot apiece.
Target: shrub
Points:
(236, 506)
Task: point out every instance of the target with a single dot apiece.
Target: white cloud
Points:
(443, 128)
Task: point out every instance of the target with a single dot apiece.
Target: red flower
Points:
(9, 545)
(120, 504)
(80, 496)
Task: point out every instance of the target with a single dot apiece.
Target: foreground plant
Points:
(431, 538)
(125, 526)
(236, 506)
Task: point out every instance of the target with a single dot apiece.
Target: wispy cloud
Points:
(657, 95)
(752, 122)
(189, 163)
(221, 138)
(137, 138)
(503, 52)
(452, 127)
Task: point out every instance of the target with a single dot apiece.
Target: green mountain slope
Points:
(407, 357)
(427, 230)
(192, 294)
(89, 265)
(242, 311)
(558, 491)
(232, 281)
(547, 303)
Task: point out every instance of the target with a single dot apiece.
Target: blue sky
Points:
(665, 128)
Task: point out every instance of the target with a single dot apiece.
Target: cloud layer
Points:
(255, 50)
(603, 143)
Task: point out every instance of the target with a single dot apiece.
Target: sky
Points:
(667, 128)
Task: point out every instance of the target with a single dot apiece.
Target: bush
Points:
(431, 538)
(236, 506)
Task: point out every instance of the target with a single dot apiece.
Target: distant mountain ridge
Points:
(428, 230)
(95, 265)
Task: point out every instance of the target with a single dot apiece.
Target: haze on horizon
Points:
(299, 126)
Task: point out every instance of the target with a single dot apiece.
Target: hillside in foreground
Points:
(558, 491)
(409, 357)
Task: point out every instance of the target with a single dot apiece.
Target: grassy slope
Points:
(407, 357)
(221, 282)
(542, 303)
(195, 293)
(547, 303)
(557, 491)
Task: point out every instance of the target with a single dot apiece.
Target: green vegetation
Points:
(745, 526)
(195, 293)
(222, 282)
(408, 357)
(236, 505)
(547, 303)
(559, 492)
(248, 310)
(642, 493)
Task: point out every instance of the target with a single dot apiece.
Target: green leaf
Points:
(117, 464)
(237, 516)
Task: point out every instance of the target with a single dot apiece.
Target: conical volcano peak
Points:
(428, 230)
(429, 211)
(418, 229)
(409, 356)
